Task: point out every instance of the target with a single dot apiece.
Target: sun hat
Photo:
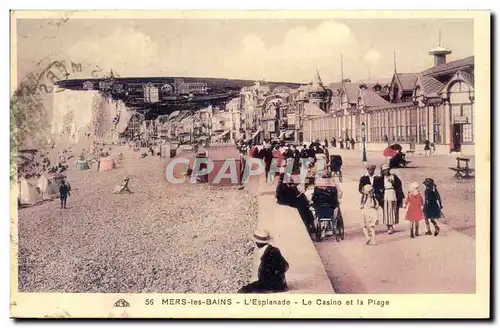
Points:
(414, 186)
(367, 188)
(370, 166)
(384, 167)
(261, 236)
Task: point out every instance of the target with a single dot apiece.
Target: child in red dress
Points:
(415, 204)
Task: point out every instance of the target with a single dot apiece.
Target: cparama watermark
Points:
(240, 172)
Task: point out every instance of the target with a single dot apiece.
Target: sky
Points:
(279, 50)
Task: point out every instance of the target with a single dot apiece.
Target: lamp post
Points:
(363, 133)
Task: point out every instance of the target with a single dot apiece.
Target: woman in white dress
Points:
(389, 192)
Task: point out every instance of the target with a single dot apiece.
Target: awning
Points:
(286, 133)
(221, 135)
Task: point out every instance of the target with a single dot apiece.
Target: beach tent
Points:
(49, 188)
(28, 194)
(108, 163)
(82, 165)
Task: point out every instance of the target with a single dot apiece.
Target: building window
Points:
(437, 124)
(357, 128)
(412, 126)
(467, 133)
(423, 120)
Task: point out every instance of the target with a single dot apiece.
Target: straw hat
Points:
(261, 236)
(414, 186)
(371, 166)
(384, 167)
(366, 189)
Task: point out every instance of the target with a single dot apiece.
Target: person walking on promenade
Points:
(415, 204)
(64, 192)
(368, 178)
(334, 143)
(369, 212)
(296, 152)
(278, 156)
(288, 153)
(352, 143)
(272, 268)
(389, 192)
(290, 195)
(326, 143)
(341, 142)
(432, 206)
(296, 159)
(427, 147)
(311, 152)
(304, 153)
(267, 156)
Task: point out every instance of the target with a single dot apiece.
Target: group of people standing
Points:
(291, 154)
(348, 143)
(386, 191)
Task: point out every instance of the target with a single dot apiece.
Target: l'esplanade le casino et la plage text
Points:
(272, 302)
(436, 104)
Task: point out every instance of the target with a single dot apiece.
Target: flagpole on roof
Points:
(394, 61)
(341, 69)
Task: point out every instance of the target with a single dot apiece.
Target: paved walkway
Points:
(307, 274)
(398, 264)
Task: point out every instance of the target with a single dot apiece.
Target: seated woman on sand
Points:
(123, 188)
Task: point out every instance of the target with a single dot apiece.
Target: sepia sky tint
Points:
(274, 50)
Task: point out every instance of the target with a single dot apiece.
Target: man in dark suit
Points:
(272, 267)
(288, 153)
(266, 154)
(367, 179)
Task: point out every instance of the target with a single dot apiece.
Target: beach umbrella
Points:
(389, 152)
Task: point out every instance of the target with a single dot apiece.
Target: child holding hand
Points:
(415, 204)
(369, 206)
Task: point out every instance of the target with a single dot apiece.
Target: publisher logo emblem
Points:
(121, 303)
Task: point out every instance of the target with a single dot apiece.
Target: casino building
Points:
(436, 104)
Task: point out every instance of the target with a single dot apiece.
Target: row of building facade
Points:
(435, 105)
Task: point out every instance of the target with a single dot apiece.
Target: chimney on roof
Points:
(439, 53)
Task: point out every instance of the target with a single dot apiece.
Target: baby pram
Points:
(336, 166)
(328, 219)
(324, 227)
